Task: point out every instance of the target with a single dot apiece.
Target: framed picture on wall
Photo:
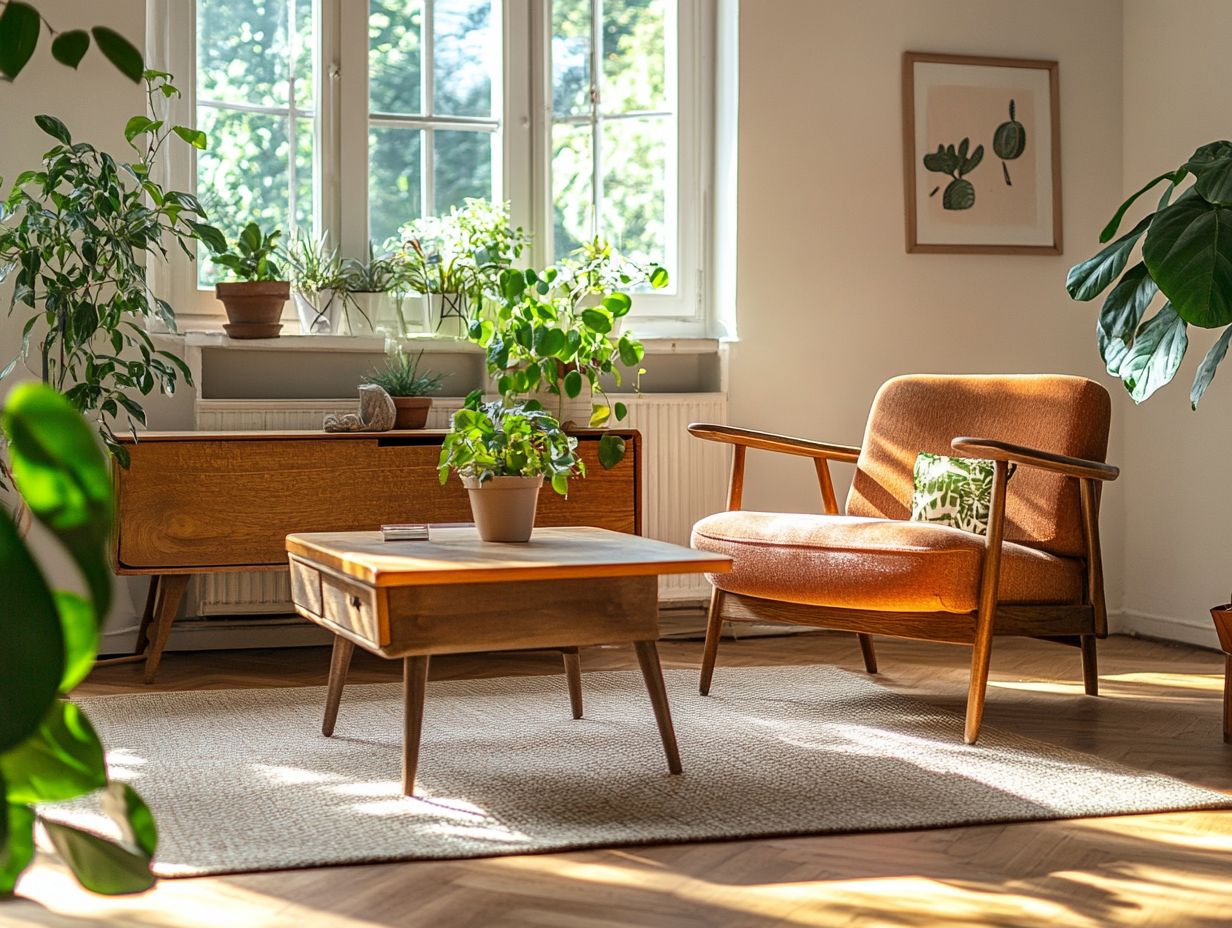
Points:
(981, 155)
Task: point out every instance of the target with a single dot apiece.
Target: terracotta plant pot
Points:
(411, 411)
(254, 307)
(504, 507)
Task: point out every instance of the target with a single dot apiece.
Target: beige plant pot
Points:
(504, 507)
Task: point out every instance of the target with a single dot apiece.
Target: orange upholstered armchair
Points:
(1036, 572)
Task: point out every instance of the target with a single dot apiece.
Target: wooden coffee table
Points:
(566, 588)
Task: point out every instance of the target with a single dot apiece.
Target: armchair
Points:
(1037, 572)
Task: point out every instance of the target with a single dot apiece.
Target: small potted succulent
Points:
(502, 454)
(255, 299)
(410, 390)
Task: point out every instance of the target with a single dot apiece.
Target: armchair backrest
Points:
(1051, 412)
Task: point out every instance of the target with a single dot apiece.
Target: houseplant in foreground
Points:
(48, 750)
(255, 299)
(1186, 256)
(503, 453)
(410, 390)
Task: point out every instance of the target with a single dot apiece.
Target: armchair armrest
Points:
(1033, 457)
(768, 441)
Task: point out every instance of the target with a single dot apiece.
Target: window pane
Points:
(633, 211)
(571, 57)
(304, 185)
(634, 56)
(393, 56)
(463, 167)
(466, 50)
(244, 51)
(572, 212)
(394, 196)
(243, 175)
(303, 54)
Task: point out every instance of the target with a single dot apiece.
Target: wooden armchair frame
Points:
(1077, 624)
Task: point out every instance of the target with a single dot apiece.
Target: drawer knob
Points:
(355, 602)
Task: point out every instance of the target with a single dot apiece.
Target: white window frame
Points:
(524, 132)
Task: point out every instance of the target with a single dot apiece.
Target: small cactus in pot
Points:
(1009, 142)
(955, 162)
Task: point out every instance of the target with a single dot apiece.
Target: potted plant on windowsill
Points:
(1185, 255)
(502, 454)
(255, 300)
(410, 390)
(377, 289)
(319, 286)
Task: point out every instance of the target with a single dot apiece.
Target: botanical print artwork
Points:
(979, 187)
(982, 155)
(952, 491)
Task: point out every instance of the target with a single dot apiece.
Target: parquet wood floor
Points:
(1159, 709)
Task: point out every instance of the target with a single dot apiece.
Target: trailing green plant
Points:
(553, 332)
(21, 27)
(400, 375)
(49, 752)
(1186, 256)
(77, 236)
(255, 256)
(956, 163)
(489, 440)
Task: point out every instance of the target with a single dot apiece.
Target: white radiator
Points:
(683, 479)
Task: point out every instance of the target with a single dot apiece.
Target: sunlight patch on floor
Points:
(1212, 682)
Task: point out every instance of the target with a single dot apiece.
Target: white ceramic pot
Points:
(446, 314)
(320, 313)
(504, 507)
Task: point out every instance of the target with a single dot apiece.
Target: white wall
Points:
(830, 304)
(1178, 543)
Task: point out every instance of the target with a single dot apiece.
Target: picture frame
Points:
(1008, 112)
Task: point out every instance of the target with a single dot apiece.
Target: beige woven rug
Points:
(242, 780)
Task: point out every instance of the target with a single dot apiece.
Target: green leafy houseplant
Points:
(255, 299)
(503, 453)
(410, 390)
(77, 236)
(318, 285)
(21, 26)
(1186, 255)
(553, 332)
(48, 750)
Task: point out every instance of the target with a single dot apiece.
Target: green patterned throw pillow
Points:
(952, 491)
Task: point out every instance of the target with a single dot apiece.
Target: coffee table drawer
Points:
(353, 607)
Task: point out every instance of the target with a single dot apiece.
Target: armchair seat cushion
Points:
(885, 565)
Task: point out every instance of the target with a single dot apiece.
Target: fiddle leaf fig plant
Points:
(1185, 248)
(49, 752)
(489, 440)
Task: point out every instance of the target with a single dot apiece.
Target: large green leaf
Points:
(19, 33)
(1189, 254)
(1212, 167)
(128, 810)
(31, 643)
(1125, 305)
(611, 450)
(70, 47)
(1112, 350)
(17, 853)
(63, 476)
(1088, 280)
(1155, 355)
(63, 759)
(1206, 370)
(1114, 223)
(80, 628)
(120, 52)
(101, 866)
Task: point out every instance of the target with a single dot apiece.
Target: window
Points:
(585, 114)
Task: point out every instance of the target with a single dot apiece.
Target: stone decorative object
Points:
(376, 413)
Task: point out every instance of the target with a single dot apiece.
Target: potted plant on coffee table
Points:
(410, 390)
(503, 453)
(255, 299)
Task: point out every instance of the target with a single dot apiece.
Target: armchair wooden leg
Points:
(981, 656)
(870, 656)
(714, 627)
(1090, 666)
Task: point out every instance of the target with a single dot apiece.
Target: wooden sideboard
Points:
(200, 502)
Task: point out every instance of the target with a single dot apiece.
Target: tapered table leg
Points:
(1227, 698)
(415, 685)
(171, 589)
(147, 615)
(648, 657)
(339, 663)
(573, 674)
